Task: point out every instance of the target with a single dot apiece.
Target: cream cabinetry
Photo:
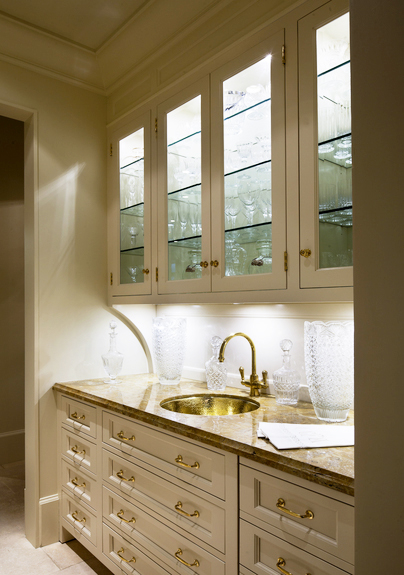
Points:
(293, 526)
(143, 500)
(199, 209)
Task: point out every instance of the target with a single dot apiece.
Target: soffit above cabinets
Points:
(96, 42)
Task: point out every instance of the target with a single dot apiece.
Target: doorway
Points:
(12, 348)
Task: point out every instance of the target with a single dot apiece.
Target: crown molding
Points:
(33, 49)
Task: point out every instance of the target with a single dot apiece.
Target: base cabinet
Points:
(146, 501)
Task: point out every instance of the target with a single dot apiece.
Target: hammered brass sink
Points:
(210, 404)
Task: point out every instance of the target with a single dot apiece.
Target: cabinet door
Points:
(248, 170)
(325, 147)
(129, 209)
(184, 192)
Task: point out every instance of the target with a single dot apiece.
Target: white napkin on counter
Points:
(296, 435)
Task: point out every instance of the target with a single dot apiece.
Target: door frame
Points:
(31, 494)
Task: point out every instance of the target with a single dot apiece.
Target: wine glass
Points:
(183, 213)
(249, 198)
(232, 209)
(132, 273)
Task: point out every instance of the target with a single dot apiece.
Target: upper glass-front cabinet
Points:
(183, 208)
(326, 148)
(131, 239)
(248, 171)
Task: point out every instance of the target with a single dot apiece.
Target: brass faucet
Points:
(255, 384)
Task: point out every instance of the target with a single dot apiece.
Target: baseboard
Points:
(49, 519)
(12, 446)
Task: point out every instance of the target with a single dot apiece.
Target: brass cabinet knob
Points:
(204, 264)
(214, 263)
(305, 253)
(146, 271)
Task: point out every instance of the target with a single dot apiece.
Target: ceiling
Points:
(88, 23)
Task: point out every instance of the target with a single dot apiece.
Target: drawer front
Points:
(80, 416)
(82, 523)
(126, 556)
(191, 463)
(165, 544)
(170, 501)
(80, 452)
(266, 554)
(79, 485)
(269, 499)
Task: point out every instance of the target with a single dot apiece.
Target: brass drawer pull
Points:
(120, 515)
(77, 417)
(121, 550)
(281, 505)
(180, 462)
(76, 450)
(178, 507)
(121, 436)
(214, 263)
(204, 264)
(77, 484)
(305, 253)
(146, 271)
(281, 563)
(74, 515)
(194, 564)
(120, 475)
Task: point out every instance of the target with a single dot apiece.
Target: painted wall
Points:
(377, 52)
(72, 316)
(11, 290)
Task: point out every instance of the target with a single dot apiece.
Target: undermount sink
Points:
(210, 404)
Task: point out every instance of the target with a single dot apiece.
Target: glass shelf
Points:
(138, 251)
(337, 150)
(136, 210)
(132, 163)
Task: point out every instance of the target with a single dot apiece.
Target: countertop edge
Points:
(281, 462)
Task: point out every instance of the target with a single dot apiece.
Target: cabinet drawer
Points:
(168, 500)
(80, 416)
(331, 528)
(126, 556)
(260, 552)
(81, 452)
(79, 485)
(191, 463)
(82, 523)
(163, 542)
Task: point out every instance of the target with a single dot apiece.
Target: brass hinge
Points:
(155, 125)
(111, 279)
(110, 149)
(157, 274)
(283, 55)
(285, 261)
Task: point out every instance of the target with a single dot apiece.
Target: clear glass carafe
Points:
(169, 343)
(286, 380)
(216, 372)
(113, 359)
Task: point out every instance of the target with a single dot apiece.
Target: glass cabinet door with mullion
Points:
(326, 148)
(183, 192)
(248, 170)
(131, 243)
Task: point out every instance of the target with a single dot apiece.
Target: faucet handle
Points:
(241, 370)
(264, 378)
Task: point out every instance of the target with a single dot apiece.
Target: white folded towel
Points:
(295, 435)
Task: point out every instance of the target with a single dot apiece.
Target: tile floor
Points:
(17, 555)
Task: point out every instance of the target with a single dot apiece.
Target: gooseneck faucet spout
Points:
(255, 384)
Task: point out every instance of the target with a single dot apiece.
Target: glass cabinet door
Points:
(248, 171)
(132, 242)
(183, 210)
(326, 190)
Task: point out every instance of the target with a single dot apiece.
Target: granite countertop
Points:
(139, 396)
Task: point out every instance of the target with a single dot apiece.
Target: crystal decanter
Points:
(113, 359)
(286, 380)
(216, 373)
